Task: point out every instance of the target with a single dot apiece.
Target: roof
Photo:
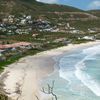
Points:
(14, 45)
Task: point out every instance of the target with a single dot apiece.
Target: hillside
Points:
(31, 7)
(37, 9)
(95, 12)
(51, 12)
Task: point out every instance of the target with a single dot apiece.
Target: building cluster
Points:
(16, 25)
(45, 26)
(14, 49)
(25, 24)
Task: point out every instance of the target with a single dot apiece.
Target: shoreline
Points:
(22, 77)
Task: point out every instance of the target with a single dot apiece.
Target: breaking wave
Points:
(77, 68)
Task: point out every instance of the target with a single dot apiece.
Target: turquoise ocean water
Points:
(78, 77)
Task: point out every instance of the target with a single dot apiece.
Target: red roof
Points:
(2, 46)
(14, 45)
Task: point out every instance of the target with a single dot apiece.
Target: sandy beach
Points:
(23, 77)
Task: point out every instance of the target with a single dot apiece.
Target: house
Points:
(23, 45)
(74, 31)
(13, 49)
(55, 30)
(91, 31)
(60, 40)
(37, 45)
(34, 35)
(2, 47)
(23, 22)
(29, 17)
(89, 38)
(1, 52)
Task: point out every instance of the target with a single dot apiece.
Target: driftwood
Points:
(49, 91)
(36, 97)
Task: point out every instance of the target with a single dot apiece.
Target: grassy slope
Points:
(32, 7)
(95, 12)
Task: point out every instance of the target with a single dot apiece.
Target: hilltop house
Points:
(91, 31)
(89, 38)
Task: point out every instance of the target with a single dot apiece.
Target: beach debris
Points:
(50, 90)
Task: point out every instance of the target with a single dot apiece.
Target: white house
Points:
(88, 37)
(91, 31)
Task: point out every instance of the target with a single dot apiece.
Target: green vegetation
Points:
(55, 14)
(95, 12)
(3, 97)
(84, 25)
(13, 59)
(46, 40)
(31, 7)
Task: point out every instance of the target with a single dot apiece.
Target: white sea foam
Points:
(85, 78)
(66, 75)
(92, 50)
(88, 81)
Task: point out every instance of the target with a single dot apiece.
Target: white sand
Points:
(22, 82)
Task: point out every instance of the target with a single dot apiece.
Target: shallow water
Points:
(78, 77)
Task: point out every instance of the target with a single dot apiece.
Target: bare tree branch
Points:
(37, 97)
(50, 90)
